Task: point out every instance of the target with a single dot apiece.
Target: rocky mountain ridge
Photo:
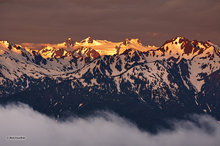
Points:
(177, 78)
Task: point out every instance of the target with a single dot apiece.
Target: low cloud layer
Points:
(153, 21)
(38, 129)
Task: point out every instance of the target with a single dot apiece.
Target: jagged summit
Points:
(178, 47)
(5, 43)
(132, 41)
(103, 47)
(86, 52)
(179, 40)
(176, 40)
(183, 47)
(93, 68)
(69, 42)
(88, 40)
(59, 59)
(180, 77)
(51, 52)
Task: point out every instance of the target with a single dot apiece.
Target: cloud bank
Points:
(153, 21)
(108, 130)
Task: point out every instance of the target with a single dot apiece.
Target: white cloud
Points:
(39, 130)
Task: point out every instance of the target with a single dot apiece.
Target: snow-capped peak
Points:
(178, 47)
(196, 58)
(5, 43)
(52, 52)
(132, 41)
(88, 42)
(86, 52)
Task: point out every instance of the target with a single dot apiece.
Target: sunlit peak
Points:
(5, 43)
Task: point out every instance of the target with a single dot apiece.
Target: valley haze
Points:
(38, 129)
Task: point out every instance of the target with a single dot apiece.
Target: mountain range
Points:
(145, 84)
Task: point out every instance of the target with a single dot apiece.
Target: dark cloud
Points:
(108, 130)
(54, 20)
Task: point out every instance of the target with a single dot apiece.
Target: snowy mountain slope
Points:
(202, 59)
(176, 75)
(199, 56)
(22, 65)
(103, 47)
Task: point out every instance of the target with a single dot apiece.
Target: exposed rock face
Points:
(86, 52)
(88, 40)
(69, 42)
(178, 78)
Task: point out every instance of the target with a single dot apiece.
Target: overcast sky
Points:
(153, 21)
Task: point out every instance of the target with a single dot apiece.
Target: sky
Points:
(152, 21)
(107, 129)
